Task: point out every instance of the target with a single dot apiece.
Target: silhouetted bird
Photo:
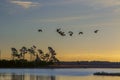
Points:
(96, 31)
(70, 33)
(58, 30)
(62, 33)
(80, 33)
(39, 30)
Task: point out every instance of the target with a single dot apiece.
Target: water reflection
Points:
(4, 76)
(17, 77)
(56, 74)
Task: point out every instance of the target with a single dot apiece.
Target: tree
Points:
(31, 52)
(52, 55)
(15, 53)
(41, 54)
(23, 51)
(38, 53)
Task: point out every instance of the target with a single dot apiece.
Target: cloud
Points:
(97, 3)
(69, 18)
(112, 5)
(25, 4)
(94, 3)
(108, 3)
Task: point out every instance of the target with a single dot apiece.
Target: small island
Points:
(106, 74)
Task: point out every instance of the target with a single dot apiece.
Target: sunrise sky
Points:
(20, 20)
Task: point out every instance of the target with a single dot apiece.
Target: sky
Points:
(20, 20)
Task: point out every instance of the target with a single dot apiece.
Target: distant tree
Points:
(41, 54)
(37, 58)
(52, 55)
(38, 53)
(23, 51)
(47, 57)
(15, 53)
(31, 52)
(0, 54)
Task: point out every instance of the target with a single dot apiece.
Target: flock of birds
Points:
(62, 33)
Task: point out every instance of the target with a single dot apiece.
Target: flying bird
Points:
(40, 30)
(70, 33)
(96, 31)
(80, 33)
(60, 32)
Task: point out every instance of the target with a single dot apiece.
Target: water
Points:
(55, 74)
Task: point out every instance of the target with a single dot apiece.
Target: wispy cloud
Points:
(108, 3)
(112, 5)
(95, 3)
(69, 18)
(25, 4)
(88, 2)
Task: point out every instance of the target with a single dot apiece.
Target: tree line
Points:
(33, 51)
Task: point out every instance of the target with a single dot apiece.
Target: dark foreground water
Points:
(55, 74)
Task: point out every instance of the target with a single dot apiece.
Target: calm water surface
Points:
(55, 74)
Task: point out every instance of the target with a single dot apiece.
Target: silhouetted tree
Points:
(41, 54)
(52, 55)
(15, 53)
(23, 51)
(0, 54)
(31, 52)
(38, 53)
(47, 57)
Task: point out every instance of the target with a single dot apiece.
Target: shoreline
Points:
(58, 65)
(63, 67)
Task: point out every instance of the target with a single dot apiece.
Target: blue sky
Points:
(20, 19)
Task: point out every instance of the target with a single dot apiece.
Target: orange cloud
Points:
(25, 4)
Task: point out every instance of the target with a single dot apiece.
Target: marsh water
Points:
(55, 74)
